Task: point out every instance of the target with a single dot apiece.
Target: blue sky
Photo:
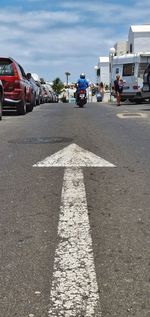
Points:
(50, 37)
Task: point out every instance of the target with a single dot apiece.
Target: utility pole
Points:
(67, 76)
(111, 56)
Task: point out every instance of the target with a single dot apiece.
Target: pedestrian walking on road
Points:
(101, 89)
(118, 87)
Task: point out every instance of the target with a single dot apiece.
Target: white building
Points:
(103, 70)
(138, 41)
(139, 38)
(121, 47)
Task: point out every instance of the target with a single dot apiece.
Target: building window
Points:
(98, 72)
(117, 70)
(131, 48)
(128, 69)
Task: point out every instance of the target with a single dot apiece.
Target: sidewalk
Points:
(106, 98)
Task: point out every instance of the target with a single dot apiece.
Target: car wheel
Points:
(33, 102)
(0, 111)
(38, 101)
(1, 104)
(22, 108)
(29, 107)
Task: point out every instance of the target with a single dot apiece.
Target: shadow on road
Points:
(145, 109)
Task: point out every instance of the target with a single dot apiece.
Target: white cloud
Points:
(29, 38)
(112, 13)
(51, 42)
(36, 19)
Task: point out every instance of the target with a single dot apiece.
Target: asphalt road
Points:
(118, 202)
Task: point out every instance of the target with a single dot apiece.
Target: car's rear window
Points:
(6, 68)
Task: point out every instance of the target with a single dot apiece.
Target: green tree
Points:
(57, 85)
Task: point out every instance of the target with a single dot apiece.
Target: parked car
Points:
(35, 90)
(38, 82)
(42, 93)
(51, 95)
(1, 99)
(17, 89)
(55, 97)
(47, 94)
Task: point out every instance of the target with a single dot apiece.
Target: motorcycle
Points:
(82, 99)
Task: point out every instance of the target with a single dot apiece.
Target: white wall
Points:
(142, 44)
(131, 41)
(104, 74)
(140, 41)
(121, 47)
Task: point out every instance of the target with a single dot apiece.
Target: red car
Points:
(18, 93)
(1, 99)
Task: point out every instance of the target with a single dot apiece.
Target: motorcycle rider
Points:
(82, 84)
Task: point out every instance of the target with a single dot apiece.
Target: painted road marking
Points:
(74, 290)
(128, 115)
(74, 156)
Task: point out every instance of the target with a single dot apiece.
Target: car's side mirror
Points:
(28, 75)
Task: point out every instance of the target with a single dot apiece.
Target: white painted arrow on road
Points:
(74, 156)
(74, 290)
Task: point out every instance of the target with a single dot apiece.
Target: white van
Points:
(131, 68)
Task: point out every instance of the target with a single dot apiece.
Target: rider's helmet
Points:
(82, 76)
